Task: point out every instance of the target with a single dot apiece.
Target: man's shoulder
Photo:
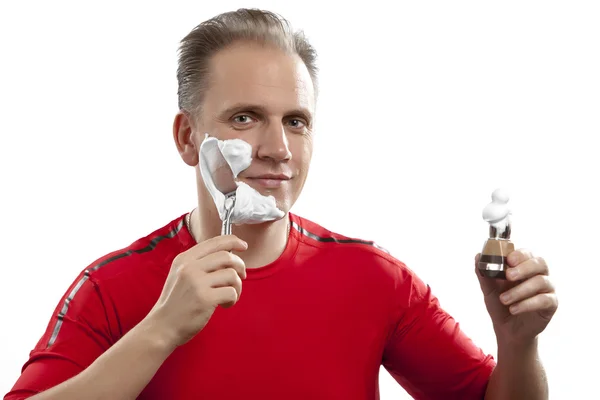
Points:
(359, 258)
(153, 250)
(316, 235)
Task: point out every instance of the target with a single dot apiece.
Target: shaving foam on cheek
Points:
(237, 153)
(250, 206)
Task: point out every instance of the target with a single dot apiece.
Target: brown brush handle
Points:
(493, 263)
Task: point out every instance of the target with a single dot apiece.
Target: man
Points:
(320, 312)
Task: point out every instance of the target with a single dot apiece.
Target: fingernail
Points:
(513, 258)
(512, 273)
(514, 309)
(505, 297)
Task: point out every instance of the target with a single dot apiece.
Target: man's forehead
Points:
(270, 98)
(260, 76)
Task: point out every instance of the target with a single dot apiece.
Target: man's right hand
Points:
(200, 279)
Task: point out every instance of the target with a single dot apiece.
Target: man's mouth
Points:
(269, 181)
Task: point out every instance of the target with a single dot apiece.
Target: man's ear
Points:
(184, 138)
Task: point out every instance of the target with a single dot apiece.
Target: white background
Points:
(425, 108)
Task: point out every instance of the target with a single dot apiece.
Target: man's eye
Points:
(242, 119)
(296, 123)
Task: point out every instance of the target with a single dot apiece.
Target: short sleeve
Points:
(79, 331)
(428, 354)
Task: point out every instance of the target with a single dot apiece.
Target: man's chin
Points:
(283, 206)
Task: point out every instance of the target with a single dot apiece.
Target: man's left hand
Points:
(522, 305)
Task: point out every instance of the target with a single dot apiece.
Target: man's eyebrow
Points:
(242, 107)
(302, 112)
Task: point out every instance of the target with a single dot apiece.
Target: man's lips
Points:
(269, 181)
(282, 177)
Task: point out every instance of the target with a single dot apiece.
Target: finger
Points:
(527, 289)
(543, 303)
(225, 296)
(527, 269)
(223, 278)
(222, 260)
(489, 286)
(216, 244)
(516, 257)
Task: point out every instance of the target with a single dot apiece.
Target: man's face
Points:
(266, 98)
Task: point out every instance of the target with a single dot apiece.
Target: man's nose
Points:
(273, 143)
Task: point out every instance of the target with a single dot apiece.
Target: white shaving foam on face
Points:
(237, 153)
(251, 207)
(497, 213)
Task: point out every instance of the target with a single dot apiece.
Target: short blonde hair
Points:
(224, 30)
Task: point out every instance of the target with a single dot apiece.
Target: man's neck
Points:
(266, 241)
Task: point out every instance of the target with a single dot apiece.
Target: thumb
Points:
(488, 285)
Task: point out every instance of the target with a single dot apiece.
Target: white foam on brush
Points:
(251, 207)
(497, 213)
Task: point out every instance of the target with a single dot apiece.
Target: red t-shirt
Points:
(315, 324)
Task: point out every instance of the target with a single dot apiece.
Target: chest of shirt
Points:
(294, 340)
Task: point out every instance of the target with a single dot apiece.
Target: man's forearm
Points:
(122, 372)
(519, 374)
